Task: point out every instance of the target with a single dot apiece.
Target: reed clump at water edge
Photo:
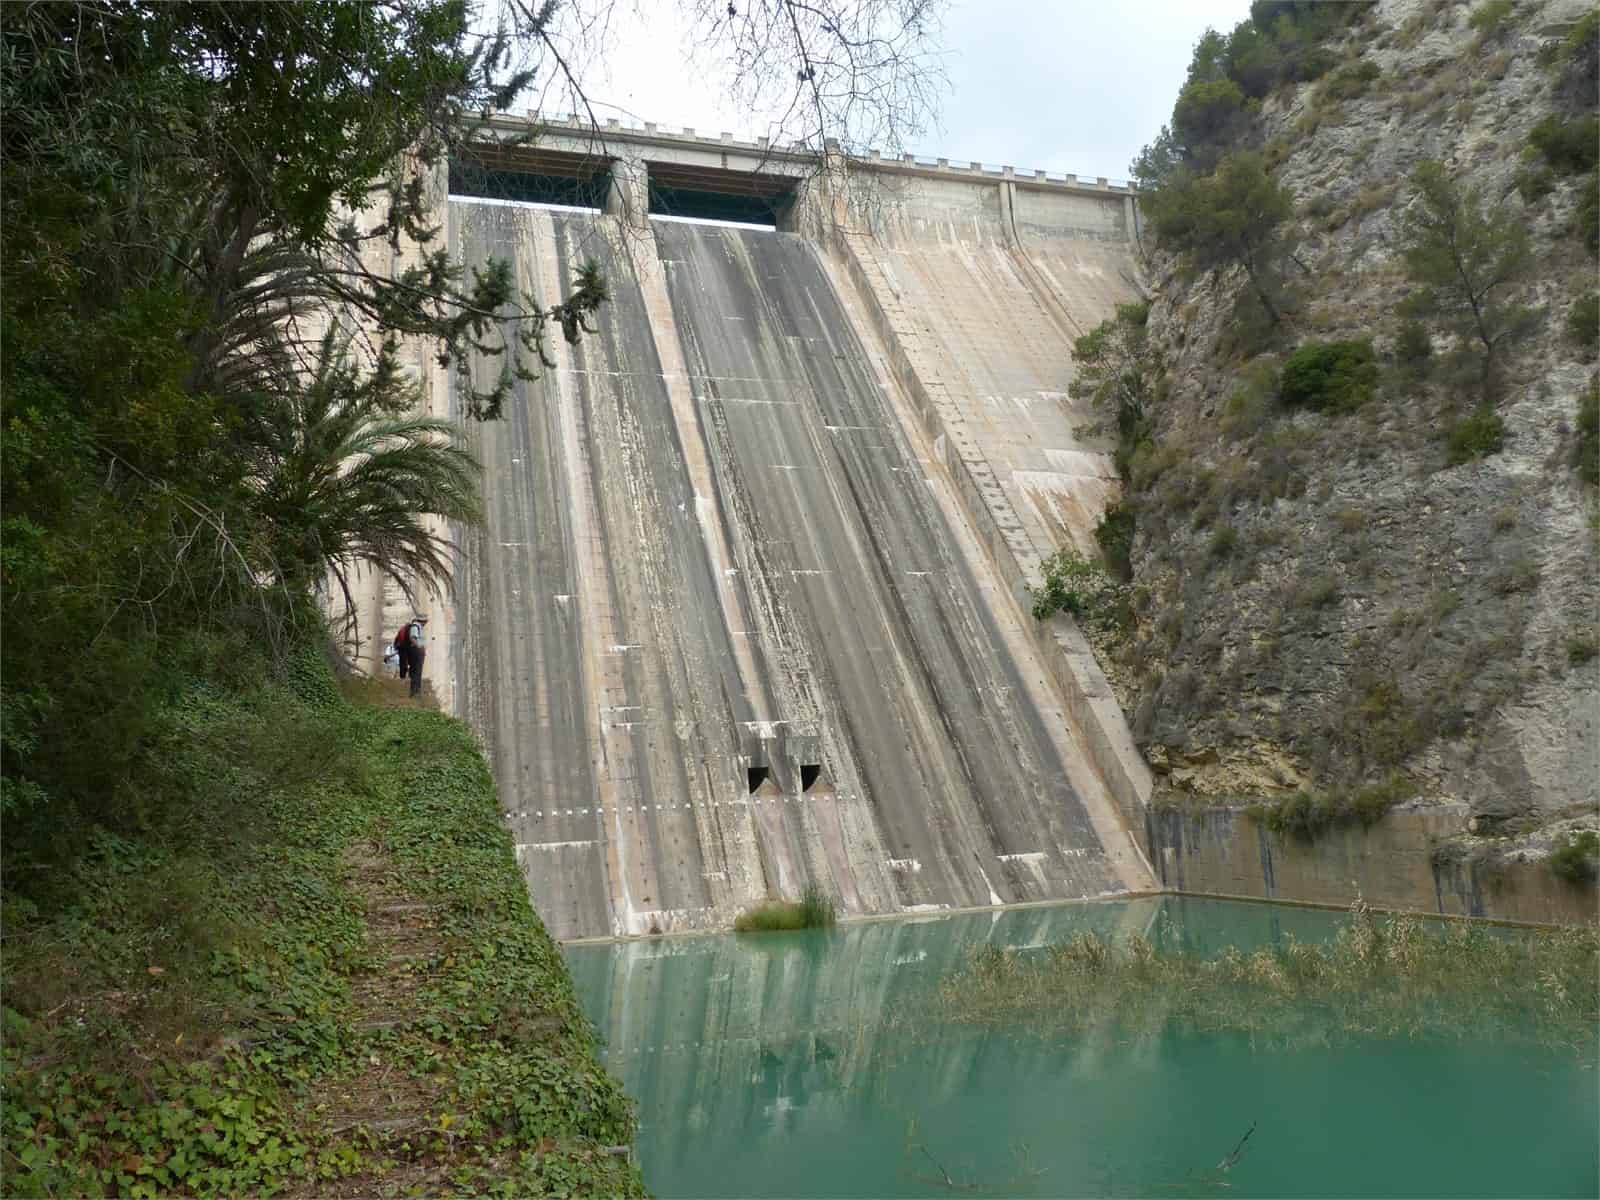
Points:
(1394, 977)
(814, 910)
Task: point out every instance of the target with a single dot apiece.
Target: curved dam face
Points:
(727, 632)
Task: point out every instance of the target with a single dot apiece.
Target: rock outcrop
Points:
(1327, 599)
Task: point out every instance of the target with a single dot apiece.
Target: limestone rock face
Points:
(1322, 598)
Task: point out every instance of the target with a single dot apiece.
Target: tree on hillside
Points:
(1470, 259)
(1235, 216)
(1117, 369)
(1206, 120)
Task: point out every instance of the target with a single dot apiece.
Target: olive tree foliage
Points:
(1469, 259)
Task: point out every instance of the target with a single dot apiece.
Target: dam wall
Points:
(748, 611)
(976, 287)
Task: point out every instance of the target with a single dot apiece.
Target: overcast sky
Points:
(1058, 85)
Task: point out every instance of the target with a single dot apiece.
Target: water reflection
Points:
(807, 1064)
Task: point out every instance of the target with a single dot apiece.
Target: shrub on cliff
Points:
(1586, 452)
(1330, 375)
(1568, 146)
(1476, 436)
(1587, 219)
(1577, 858)
(1583, 322)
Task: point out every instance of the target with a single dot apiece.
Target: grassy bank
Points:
(316, 975)
(1397, 977)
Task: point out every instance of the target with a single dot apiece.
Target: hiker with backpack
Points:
(411, 643)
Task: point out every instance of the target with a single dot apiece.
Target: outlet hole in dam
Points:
(755, 777)
(808, 775)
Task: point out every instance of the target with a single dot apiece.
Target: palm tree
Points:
(344, 475)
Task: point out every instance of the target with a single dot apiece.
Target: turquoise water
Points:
(791, 1065)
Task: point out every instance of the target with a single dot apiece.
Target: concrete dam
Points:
(748, 611)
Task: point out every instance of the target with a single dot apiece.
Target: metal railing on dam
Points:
(744, 615)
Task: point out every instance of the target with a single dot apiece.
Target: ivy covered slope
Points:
(1357, 421)
(314, 973)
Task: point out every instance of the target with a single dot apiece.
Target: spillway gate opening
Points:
(530, 175)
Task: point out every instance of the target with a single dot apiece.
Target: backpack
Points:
(403, 638)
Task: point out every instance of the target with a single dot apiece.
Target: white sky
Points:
(1057, 85)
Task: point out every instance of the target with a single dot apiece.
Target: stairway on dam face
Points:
(720, 636)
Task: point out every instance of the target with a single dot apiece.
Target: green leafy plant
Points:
(1583, 323)
(1475, 436)
(1351, 82)
(1070, 584)
(1582, 648)
(1114, 534)
(209, 1006)
(1534, 182)
(1118, 370)
(1308, 815)
(1224, 540)
(1491, 17)
(1577, 858)
(1337, 376)
(1586, 446)
(1570, 146)
(1233, 217)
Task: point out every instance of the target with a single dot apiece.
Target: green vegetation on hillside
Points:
(1324, 342)
(1586, 448)
(1071, 583)
(314, 972)
(255, 938)
(1308, 815)
(1336, 376)
(1395, 977)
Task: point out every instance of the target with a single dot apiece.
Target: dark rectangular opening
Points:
(712, 194)
(809, 773)
(529, 175)
(755, 777)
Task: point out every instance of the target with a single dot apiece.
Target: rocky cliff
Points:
(1393, 596)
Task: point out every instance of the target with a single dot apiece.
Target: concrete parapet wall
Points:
(1224, 852)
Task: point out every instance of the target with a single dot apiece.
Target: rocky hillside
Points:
(1363, 560)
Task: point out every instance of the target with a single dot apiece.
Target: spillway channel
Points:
(720, 634)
